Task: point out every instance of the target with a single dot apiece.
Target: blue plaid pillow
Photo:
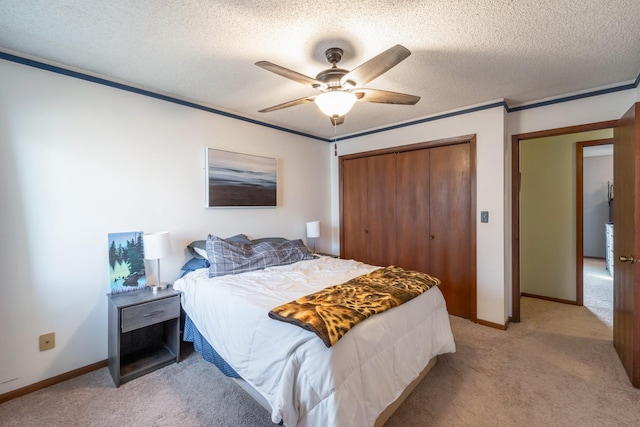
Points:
(233, 258)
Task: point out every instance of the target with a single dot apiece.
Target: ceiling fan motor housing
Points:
(331, 77)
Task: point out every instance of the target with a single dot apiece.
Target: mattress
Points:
(304, 382)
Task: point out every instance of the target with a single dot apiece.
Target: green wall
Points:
(548, 214)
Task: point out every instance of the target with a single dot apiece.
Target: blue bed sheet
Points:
(202, 346)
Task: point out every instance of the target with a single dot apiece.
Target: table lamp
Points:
(313, 232)
(156, 246)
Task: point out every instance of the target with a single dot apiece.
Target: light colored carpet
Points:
(597, 290)
(555, 368)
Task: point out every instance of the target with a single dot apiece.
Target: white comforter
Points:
(304, 382)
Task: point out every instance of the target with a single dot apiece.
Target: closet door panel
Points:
(381, 178)
(354, 209)
(450, 201)
(412, 213)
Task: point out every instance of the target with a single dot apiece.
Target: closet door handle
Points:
(626, 259)
(366, 231)
(431, 237)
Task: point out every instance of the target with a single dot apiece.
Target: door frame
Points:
(580, 212)
(470, 139)
(515, 198)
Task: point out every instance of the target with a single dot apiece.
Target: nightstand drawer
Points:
(150, 313)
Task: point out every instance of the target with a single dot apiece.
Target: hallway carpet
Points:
(597, 290)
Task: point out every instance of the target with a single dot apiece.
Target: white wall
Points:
(488, 125)
(593, 109)
(79, 160)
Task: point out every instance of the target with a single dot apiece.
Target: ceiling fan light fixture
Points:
(335, 103)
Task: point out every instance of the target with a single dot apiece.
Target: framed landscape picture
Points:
(240, 180)
(126, 262)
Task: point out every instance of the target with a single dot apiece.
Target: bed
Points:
(358, 381)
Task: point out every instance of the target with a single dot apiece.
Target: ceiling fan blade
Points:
(337, 121)
(385, 97)
(375, 66)
(290, 74)
(288, 104)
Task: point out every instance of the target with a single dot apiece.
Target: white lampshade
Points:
(335, 103)
(157, 245)
(313, 229)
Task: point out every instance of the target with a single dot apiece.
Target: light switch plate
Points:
(484, 216)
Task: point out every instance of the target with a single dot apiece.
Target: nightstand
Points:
(144, 332)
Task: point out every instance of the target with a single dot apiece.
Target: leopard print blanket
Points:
(333, 311)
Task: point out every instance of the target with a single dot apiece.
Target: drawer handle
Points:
(153, 313)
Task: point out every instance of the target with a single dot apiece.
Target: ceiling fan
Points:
(342, 88)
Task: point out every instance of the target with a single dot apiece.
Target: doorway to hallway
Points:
(598, 290)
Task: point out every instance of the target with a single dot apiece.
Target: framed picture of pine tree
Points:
(126, 262)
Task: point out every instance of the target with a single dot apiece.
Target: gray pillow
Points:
(239, 238)
(269, 239)
(198, 248)
(228, 258)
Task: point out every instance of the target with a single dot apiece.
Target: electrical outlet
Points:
(47, 341)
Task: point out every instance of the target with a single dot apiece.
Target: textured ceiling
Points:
(464, 52)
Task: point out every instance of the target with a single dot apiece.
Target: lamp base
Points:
(157, 287)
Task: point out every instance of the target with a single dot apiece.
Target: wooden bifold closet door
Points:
(413, 209)
(369, 207)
